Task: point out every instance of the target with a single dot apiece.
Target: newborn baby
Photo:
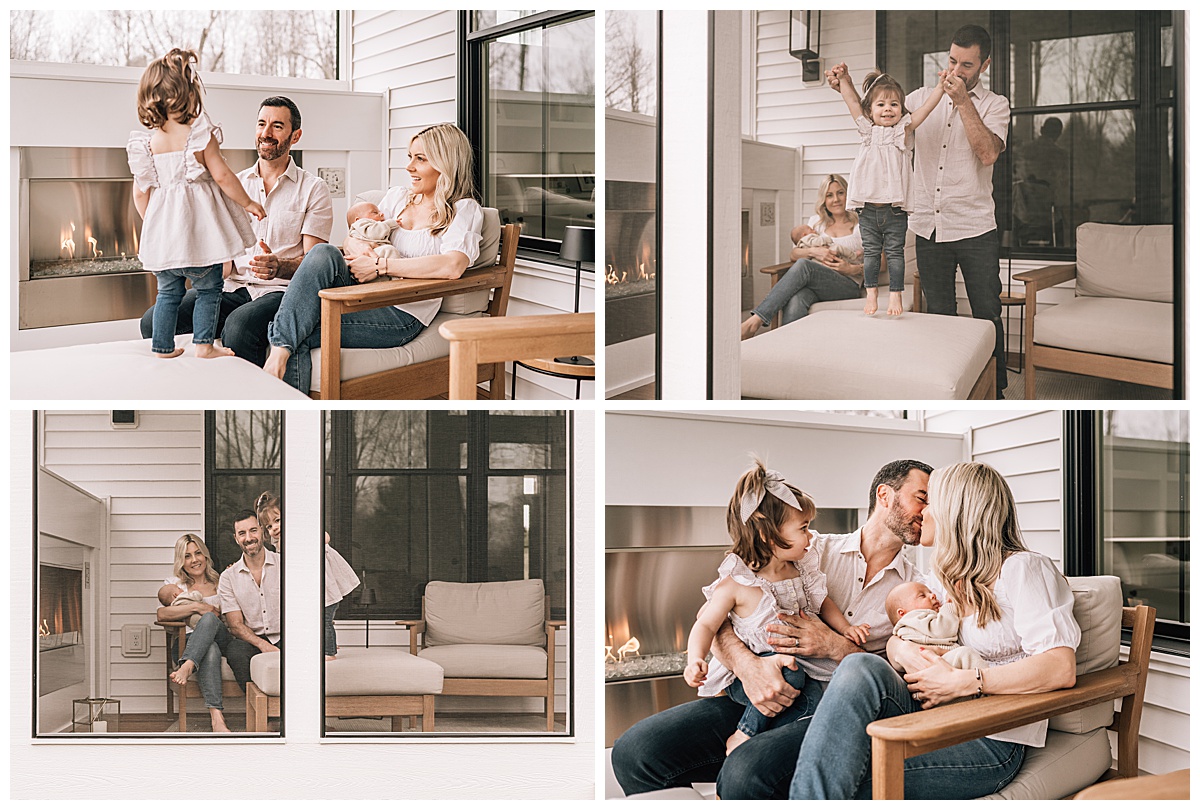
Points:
(918, 616)
(185, 598)
(814, 239)
(367, 223)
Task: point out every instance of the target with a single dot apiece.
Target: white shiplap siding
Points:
(154, 478)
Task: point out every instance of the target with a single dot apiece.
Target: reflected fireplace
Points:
(61, 655)
(631, 261)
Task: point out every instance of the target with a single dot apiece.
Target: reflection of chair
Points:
(1119, 325)
(420, 369)
(177, 638)
(1077, 749)
(494, 340)
(490, 638)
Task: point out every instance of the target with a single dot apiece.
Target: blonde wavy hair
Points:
(822, 211)
(975, 531)
(170, 86)
(210, 573)
(448, 151)
(755, 540)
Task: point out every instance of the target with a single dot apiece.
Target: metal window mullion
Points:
(544, 19)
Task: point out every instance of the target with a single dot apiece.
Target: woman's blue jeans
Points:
(804, 284)
(297, 324)
(330, 633)
(206, 281)
(835, 757)
(204, 647)
(883, 229)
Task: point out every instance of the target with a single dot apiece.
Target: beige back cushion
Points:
(1125, 261)
(489, 250)
(485, 613)
(1098, 610)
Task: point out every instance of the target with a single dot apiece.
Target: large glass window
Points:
(244, 458)
(531, 83)
(302, 44)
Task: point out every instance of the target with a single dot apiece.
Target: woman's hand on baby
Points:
(365, 267)
(858, 633)
(256, 210)
(939, 682)
(695, 672)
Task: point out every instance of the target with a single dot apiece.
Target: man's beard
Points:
(272, 150)
(900, 524)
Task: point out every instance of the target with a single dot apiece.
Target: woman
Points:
(1016, 610)
(818, 274)
(206, 641)
(438, 237)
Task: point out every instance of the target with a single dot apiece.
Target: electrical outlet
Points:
(335, 179)
(135, 640)
(766, 213)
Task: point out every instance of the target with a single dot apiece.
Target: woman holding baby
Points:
(1016, 611)
(440, 223)
(828, 262)
(190, 596)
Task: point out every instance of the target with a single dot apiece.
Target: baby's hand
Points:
(858, 633)
(695, 672)
(256, 210)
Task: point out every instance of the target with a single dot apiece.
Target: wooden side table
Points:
(557, 367)
(1174, 785)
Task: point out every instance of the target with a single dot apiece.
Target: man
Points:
(954, 216)
(299, 216)
(686, 743)
(249, 591)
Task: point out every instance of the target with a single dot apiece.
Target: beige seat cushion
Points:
(1120, 327)
(848, 355)
(380, 671)
(485, 613)
(488, 660)
(1067, 764)
(1125, 261)
(264, 671)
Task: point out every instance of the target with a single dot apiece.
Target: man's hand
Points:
(267, 647)
(265, 265)
(765, 687)
(956, 88)
(811, 638)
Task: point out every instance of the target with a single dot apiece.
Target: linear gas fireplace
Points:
(60, 628)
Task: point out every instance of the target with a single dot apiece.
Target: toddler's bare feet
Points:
(750, 326)
(276, 363)
(895, 303)
(206, 350)
(180, 676)
(331, 658)
(735, 739)
(169, 355)
(872, 304)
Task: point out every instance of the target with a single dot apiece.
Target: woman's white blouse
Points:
(1036, 606)
(463, 235)
(214, 600)
(853, 241)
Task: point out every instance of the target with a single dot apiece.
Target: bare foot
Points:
(872, 304)
(207, 350)
(895, 303)
(750, 326)
(169, 355)
(735, 739)
(331, 658)
(218, 721)
(181, 675)
(276, 363)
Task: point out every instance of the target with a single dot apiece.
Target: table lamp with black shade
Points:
(579, 246)
(367, 597)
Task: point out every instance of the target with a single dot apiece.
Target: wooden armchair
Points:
(477, 342)
(897, 738)
(177, 638)
(422, 378)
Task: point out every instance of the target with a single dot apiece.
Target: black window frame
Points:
(217, 525)
(472, 115)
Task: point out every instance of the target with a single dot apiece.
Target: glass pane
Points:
(527, 533)
(527, 442)
(390, 440)
(230, 494)
(481, 20)
(631, 61)
(540, 162)
(247, 440)
(1146, 514)
(1062, 57)
(260, 43)
(918, 42)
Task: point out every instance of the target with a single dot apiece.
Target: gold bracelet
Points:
(979, 678)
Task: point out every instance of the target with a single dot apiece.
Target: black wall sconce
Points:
(804, 42)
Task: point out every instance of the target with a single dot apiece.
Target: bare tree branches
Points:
(628, 64)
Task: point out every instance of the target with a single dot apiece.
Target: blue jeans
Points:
(883, 229)
(241, 321)
(835, 757)
(755, 722)
(330, 633)
(686, 744)
(979, 258)
(206, 281)
(205, 645)
(297, 324)
(804, 284)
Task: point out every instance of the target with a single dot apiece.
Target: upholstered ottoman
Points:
(848, 355)
(359, 683)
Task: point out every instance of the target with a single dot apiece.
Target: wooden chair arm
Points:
(896, 738)
(775, 270)
(175, 623)
(1042, 277)
(392, 292)
(415, 627)
(559, 623)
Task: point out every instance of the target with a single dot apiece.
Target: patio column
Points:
(701, 202)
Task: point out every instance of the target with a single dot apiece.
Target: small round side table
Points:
(557, 367)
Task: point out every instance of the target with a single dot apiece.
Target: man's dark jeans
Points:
(241, 322)
(239, 653)
(979, 258)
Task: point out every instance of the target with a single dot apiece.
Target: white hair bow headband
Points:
(773, 484)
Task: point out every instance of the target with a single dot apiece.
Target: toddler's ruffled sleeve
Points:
(864, 128)
(815, 587)
(202, 131)
(732, 567)
(465, 231)
(141, 162)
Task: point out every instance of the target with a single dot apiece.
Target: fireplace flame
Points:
(44, 628)
(68, 243)
(629, 648)
(95, 252)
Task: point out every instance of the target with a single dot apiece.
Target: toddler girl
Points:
(881, 180)
(766, 572)
(189, 227)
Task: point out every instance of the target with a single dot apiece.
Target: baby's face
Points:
(921, 598)
(371, 212)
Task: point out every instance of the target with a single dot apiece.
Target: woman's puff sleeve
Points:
(1042, 603)
(465, 231)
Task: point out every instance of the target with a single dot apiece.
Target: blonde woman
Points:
(1016, 611)
(192, 593)
(438, 237)
(819, 273)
